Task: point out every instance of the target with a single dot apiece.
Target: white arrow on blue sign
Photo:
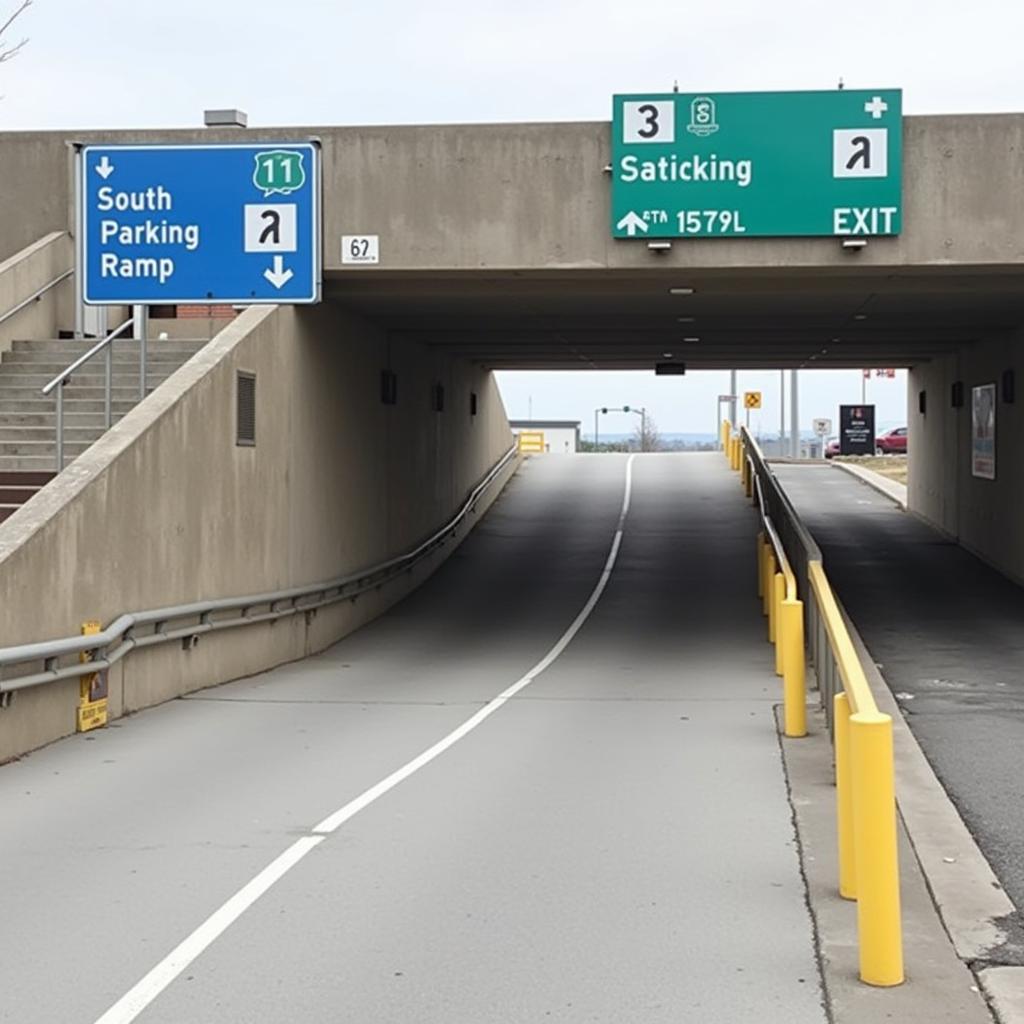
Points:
(236, 224)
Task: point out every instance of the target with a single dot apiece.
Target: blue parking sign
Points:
(237, 224)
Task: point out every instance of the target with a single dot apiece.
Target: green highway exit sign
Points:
(750, 164)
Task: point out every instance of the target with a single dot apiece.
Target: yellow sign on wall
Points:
(531, 441)
(92, 693)
(752, 399)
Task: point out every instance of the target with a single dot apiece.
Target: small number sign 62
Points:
(360, 249)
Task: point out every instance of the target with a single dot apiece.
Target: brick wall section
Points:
(207, 312)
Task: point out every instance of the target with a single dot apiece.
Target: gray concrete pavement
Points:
(615, 843)
(948, 634)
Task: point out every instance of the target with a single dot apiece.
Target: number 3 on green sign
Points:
(648, 121)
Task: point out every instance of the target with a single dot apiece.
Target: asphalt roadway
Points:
(948, 634)
(610, 841)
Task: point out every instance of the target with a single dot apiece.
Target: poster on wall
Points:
(983, 431)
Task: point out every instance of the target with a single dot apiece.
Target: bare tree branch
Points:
(10, 52)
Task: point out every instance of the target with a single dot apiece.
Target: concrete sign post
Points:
(237, 224)
(757, 164)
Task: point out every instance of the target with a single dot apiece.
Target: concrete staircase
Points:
(28, 418)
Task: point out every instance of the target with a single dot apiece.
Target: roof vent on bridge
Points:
(225, 119)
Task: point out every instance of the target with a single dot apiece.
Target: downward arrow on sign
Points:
(631, 223)
(105, 168)
(278, 276)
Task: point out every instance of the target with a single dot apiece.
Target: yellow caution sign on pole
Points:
(92, 703)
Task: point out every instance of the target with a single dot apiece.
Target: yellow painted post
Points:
(748, 479)
(844, 798)
(768, 561)
(724, 433)
(760, 564)
(794, 669)
(778, 595)
(874, 828)
(732, 452)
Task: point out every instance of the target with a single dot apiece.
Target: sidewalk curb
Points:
(890, 488)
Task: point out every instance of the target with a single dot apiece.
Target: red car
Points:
(832, 448)
(892, 442)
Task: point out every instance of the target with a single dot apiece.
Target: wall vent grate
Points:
(245, 404)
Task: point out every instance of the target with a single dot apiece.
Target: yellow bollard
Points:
(772, 601)
(748, 479)
(732, 452)
(844, 798)
(760, 564)
(874, 837)
(778, 595)
(794, 687)
(767, 572)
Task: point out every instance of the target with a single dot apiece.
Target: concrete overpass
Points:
(495, 252)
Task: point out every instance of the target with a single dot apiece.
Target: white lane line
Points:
(130, 1005)
(133, 1002)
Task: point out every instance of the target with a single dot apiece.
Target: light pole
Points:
(604, 410)
(782, 412)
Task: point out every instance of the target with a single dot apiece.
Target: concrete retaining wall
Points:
(167, 509)
(984, 515)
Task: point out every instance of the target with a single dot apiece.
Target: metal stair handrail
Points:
(58, 382)
(35, 296)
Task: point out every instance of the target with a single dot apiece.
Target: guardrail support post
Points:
(794, 669)
(844, 797)
(878, 884)
(767, 572)
(778, 595)
(761, 539)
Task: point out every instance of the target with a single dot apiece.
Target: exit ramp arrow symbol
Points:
(105, 168)
(631, 223)
(278, 276)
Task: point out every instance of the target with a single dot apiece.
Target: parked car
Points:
(892, 442)
(832, 447)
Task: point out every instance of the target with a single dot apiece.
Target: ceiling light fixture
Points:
(691, 340)
(666, 355)
(860, 316)
(686, 319)
(681, 291)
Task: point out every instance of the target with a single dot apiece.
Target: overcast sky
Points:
(140, 63)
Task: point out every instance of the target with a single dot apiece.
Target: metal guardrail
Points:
(58, 382)
(164, 625)
(35, 296)
(865, 775)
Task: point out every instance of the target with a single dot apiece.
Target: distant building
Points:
(560, 437)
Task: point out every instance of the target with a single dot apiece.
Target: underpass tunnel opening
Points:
(684, 340)
(942, 332)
